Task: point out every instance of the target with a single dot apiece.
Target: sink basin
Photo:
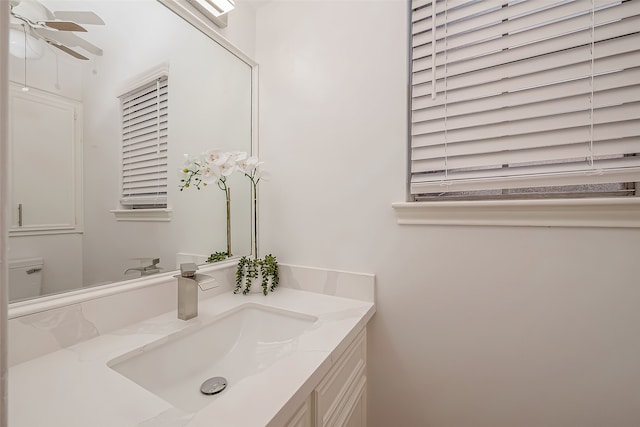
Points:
(240, 343)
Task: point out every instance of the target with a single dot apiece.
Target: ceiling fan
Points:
(57, 29)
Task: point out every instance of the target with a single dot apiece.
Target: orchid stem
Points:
(255, 218)
(227, 191)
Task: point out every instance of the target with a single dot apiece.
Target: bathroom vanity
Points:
(296, 357)
(341, 397)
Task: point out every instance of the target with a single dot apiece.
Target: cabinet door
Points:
(45, 162)
(338, 392)
(302, 417)
(355, 412)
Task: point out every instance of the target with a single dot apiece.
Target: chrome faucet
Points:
(188, 283)
(146, 270)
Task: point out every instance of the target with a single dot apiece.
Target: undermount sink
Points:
(240, 343)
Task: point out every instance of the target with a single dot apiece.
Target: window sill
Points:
(142, 214)
(608, 213)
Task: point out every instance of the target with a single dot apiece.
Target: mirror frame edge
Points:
(49, 302)
(4, 234)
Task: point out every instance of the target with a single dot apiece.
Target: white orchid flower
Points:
(261, 174)
(214, 166)
(188, 174)
(211, 173)
(217, 157)
(238, 156)
(228, 167)
(248, 165)
(190, 163)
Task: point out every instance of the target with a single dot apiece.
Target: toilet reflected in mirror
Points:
(25, 278)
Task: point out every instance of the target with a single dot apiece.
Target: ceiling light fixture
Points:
(24, 45)
(215, 10)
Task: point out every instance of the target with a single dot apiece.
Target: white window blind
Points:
(144, 145)
(527, 94)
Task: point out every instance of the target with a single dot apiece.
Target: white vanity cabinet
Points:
(321, 382)
(340, 400)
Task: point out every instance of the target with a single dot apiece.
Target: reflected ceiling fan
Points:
(57, 29)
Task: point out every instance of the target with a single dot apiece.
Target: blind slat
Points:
(144, 139)
(154, 119)
(601, 134)
(144, 134)
(531, 50)
(571, 15)
(144, 91)
(566, 174)
(143, 101)
(541, 124)
(578, 60)
(135, 116)
(602, 86)
(435, 160)
(517, 112)
(472, 15)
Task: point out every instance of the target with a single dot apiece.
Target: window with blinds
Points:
(524, 98)
(145, 121)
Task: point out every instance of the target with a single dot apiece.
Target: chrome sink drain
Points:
(213, 385)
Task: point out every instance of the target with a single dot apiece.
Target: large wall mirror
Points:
(69, 229)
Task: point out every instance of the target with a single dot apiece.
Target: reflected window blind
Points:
(509, 95)
(144, 145)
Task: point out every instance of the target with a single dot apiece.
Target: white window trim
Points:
(144, 78)
(163, 214)
(623, 212)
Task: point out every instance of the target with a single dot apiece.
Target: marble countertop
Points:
(74, 387)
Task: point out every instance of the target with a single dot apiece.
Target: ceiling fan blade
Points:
(63, 26)
(81, 17)
(53, 25)
(52, 29)
(67, 50)
(69, 39)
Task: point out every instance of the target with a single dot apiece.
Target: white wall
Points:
(240, 29)
(476, 326)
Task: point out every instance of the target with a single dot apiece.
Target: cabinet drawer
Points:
(332, 393)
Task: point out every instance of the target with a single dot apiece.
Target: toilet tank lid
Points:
(25, 262)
